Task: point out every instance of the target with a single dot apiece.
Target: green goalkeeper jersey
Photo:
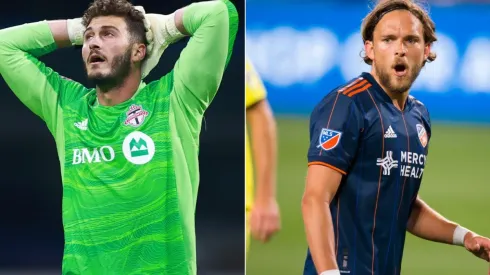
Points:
(130, 172)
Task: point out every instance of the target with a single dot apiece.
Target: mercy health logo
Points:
(387, 163)
(138, 148)
(411, 164)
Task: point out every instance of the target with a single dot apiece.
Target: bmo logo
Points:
(94, 155)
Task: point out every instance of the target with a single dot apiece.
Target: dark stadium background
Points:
(31, 236)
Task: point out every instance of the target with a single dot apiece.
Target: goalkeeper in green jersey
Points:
(128, 150)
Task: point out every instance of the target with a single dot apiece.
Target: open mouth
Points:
(400, 69)
(96, 59)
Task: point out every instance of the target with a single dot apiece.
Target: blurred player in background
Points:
(369, 142)
(262, 210)
(128, 150)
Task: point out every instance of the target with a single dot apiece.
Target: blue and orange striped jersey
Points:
(382, 153)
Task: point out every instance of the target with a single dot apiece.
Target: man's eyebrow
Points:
(102, 27)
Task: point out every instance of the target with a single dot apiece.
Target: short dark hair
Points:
(383, 7)
(134, 18)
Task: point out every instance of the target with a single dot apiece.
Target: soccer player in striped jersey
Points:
(369, 141)
(262, 211)
(128, 150)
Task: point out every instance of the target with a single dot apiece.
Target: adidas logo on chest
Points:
(390, 133)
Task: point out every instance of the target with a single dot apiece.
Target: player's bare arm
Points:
(265, 220)
(179, 21)
(60, 33)
(322, 184)
(426, 223)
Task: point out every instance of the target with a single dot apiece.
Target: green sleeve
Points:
(213, 26)
(37, 86)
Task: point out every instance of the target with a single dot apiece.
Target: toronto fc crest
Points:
(135, 116)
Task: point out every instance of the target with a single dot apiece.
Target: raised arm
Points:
(59, 30)
(212, 26)
(37, 86)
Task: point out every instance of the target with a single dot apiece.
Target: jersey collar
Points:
(380, 92)
(140, 87)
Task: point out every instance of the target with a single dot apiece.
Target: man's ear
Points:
(138, 52)
(427, 49)
(369, 49)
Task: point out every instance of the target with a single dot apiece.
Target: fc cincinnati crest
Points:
(329, 139)
(422, 133)
(135, 116)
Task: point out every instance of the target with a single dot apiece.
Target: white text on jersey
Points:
(85, 155)
(411, 164)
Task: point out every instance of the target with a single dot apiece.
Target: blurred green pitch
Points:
(455, 183)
